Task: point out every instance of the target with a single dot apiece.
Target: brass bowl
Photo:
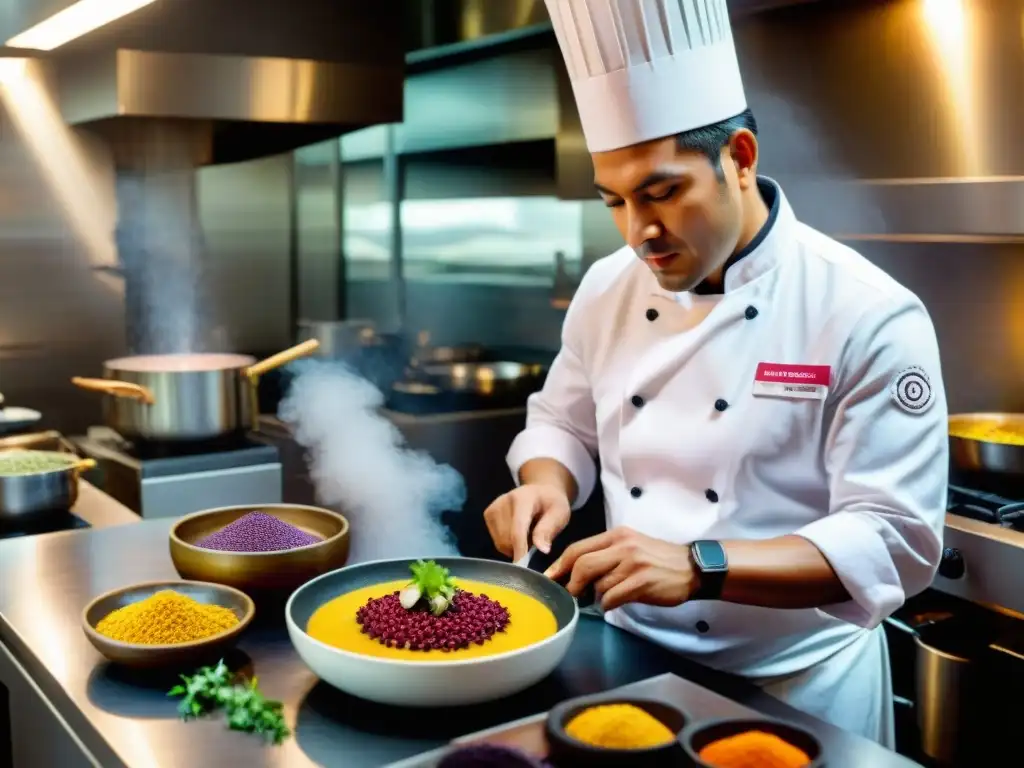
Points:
(260, 572)
(180, 655)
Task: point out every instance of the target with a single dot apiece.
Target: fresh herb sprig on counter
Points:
(246, 709)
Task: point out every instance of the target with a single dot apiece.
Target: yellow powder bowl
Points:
(183, 656)
(608, 731)
(319, 612)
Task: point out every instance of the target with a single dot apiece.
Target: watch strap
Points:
(708, 558)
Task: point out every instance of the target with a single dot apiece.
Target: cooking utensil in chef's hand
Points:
(587, 601)
(524, 561)
(438, 682)
(179, 655)
(184, 397)
(978, 455)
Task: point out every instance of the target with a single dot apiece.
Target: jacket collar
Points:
(760, 255)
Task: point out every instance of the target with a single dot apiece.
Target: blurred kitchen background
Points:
(459, 234)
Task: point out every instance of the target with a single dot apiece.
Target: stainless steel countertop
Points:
(127, 720)
(99, 510)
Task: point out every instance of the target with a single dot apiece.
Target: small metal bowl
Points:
(699, 735)
(260, 572)
(569, 752)
(180, 655)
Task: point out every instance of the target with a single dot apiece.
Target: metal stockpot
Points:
(27, 495)
(986, 456)
(184, 397)
(949, 654)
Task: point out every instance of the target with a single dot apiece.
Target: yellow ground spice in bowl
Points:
(619, 726)
(166, 618)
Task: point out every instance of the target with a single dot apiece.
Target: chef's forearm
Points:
(549, 472)
(786, 572)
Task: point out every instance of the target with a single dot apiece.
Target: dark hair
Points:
(710, 139)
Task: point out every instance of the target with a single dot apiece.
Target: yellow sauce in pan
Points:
(530, 621)
(992, 432)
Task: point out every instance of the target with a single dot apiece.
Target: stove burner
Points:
(143, 449)
(986, 507)
(47, 522)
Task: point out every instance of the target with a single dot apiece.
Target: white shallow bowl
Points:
(434, 683)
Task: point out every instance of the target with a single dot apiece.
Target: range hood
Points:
(486, 74)
(244, 79)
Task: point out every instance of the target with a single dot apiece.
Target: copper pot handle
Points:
(116, 389)
(83, 465)
(282, 358)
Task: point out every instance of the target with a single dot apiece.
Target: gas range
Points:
(171, 481)
(983, 556)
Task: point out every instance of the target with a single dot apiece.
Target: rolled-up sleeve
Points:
(886, 454)
(560, 421)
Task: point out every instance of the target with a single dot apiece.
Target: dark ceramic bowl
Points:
(699, 735)
(256, 573)
(567, 752)
(183, 655)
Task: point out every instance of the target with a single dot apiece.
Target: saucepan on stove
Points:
(185, 397)
(987, 442)
(38, 482)
(497, 378)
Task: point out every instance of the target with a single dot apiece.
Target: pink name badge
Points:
(807, 382)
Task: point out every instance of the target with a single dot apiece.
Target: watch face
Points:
(710, 556)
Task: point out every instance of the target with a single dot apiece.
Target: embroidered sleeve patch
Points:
(911, 390)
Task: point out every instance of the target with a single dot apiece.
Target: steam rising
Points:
(392, 495)
(160, 242)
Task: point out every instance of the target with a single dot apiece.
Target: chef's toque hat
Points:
(647, 69)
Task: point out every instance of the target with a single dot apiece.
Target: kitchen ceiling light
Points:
(74, 21)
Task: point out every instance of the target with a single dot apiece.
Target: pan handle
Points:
(116, 389)
(282, 358)
(83, 465)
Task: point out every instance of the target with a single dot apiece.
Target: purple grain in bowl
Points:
(258, 532)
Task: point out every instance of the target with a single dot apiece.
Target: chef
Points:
(765, 405)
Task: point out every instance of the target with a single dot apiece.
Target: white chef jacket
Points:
(660, 386)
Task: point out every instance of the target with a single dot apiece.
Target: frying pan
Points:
(184, 397)
(976, 454)
(440, 683)
(485, 378)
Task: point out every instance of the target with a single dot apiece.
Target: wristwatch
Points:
(709, 560)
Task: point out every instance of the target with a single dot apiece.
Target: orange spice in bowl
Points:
(753, 749)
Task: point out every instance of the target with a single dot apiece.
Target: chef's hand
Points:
(627, 567)
(510, 516)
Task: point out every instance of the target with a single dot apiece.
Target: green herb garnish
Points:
(246, 709)
(431, 582)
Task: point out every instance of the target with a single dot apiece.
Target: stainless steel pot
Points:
(485, 378)
(184, 397)
(980, 455)
(948, 693)
(28, 495)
